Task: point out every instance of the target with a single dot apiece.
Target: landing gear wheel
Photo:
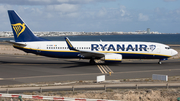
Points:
(92, 61)
(160, 62)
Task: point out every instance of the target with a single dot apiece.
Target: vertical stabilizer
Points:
(20, 30)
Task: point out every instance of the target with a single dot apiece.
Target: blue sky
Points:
(94, 15)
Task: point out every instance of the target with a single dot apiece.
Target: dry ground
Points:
(120, 94)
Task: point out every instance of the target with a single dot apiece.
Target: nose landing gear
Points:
(160, 62)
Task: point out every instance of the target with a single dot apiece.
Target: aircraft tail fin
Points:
(20, 30)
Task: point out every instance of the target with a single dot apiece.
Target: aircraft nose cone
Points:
(174, 52)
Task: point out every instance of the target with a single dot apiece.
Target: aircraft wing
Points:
(83, 53)
(90, 54)
(15, 43)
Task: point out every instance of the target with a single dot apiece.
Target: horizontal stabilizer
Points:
(15, 43)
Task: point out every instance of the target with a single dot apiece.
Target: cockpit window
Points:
(167, 48)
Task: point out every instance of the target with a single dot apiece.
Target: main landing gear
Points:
(92, 61)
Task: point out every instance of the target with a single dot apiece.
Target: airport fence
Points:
(104, 87)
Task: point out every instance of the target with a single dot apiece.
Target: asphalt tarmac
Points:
(20, 69)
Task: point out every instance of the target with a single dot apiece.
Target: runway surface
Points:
(19, 69)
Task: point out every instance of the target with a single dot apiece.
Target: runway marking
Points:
(100, 69)
(148, 71)
(109, 69)
(31, 77)
(1, 78)
(103, 68)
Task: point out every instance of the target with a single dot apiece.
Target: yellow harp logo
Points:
(18, 28)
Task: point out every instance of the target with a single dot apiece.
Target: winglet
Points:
(70, 46)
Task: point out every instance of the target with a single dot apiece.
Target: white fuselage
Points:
(128, 50)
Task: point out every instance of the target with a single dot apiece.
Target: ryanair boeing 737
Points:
(107, 51)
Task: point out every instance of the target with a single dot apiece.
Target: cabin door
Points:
(158, 49)
(38, 48)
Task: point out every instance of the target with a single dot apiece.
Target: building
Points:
(148, 31)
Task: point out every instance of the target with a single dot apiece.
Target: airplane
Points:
(108, 51)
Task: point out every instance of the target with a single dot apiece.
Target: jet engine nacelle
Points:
(113, 58)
